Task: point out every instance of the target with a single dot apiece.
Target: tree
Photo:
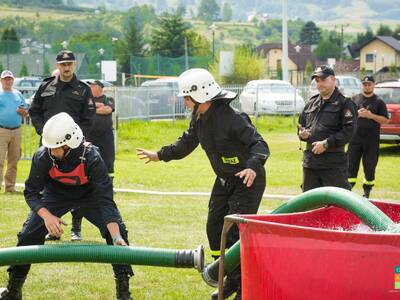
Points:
(46, 68)
(396, 32)
(247, 65)
(310, 34)
(10, 41)
(393, 71)
(208, 10)
(181, 9)
(384, 30)
(327, 48)
(198, 45)
(131, 44)
(308, 70)
(168, 38)
(24, 70)
(226, 12)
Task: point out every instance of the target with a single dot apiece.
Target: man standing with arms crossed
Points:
(327, 124)
(64, 93)
(101, 134)
(372, 112)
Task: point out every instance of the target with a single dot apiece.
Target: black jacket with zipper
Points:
(228, 137)
(55, 96)
(333, 120)
(40, 187)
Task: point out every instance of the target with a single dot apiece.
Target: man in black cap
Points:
(64, 93)
(327, 124)
(372, 112)
(102, 136)
(101, 133)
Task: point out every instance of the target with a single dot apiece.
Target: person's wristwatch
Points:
(325, 144)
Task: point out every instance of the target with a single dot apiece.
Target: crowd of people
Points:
(73, 170)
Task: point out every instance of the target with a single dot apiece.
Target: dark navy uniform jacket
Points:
(334, 120)
(229, 139)
(55, 96)
(41, 188)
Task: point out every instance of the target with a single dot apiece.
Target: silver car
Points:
(276, 97)
(348, 85)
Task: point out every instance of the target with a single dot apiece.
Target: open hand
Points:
(145, 154)
(248, 176)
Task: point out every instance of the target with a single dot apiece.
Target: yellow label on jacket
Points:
(230, 160)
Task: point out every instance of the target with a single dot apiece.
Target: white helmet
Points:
(198, 84)
(61, 130)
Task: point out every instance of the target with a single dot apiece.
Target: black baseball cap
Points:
(323, 72)
(368, 78)
(96, 82)
(65, 56)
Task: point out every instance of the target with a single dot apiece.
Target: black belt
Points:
(11, 128)
(332, 149)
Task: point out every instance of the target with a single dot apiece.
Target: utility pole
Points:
(285, 71)
(186, 55)
(342, 26)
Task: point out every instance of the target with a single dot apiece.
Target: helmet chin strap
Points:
(196, 106)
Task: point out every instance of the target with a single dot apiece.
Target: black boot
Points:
(14, 288)
(367, 190)
(122, 287)
(231, 285)
(238, 294)
(76, 228)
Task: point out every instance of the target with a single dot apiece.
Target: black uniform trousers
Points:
(316, 177)
(34, 231)
(105, 143)
(367, 148)
(231, 196)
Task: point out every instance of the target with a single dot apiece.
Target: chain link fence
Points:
(155, 103)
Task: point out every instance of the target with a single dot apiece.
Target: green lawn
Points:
(166, 221)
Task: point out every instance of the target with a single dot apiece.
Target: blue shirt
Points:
(9, 102)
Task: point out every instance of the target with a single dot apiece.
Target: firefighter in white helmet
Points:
(236, 151)
(67, 173)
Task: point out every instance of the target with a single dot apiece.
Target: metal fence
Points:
(152, 103)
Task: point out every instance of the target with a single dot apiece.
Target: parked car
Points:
(160, 97)
(104, 82)
(27, 85)
(271, 97)
(348, 85)
(390, 93)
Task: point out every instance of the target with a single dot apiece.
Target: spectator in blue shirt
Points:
(12, 110)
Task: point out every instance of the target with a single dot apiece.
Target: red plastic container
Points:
(315, 255)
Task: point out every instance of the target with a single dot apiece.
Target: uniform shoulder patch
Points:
(348, 113)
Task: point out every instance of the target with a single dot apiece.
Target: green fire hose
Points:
(103, 254)
(316, 198)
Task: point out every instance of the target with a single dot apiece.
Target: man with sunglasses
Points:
(64, 93)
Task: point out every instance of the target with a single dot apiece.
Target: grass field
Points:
(165, 221)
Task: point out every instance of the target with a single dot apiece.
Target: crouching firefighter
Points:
(68, 173)
(237, 154)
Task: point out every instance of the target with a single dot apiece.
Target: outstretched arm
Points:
(146, 154)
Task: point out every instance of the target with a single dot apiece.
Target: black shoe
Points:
(367, 190)
(238, 294)
(13, 290)
(76, 236)
(50, 237)
(230, 287)
(122, 287)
